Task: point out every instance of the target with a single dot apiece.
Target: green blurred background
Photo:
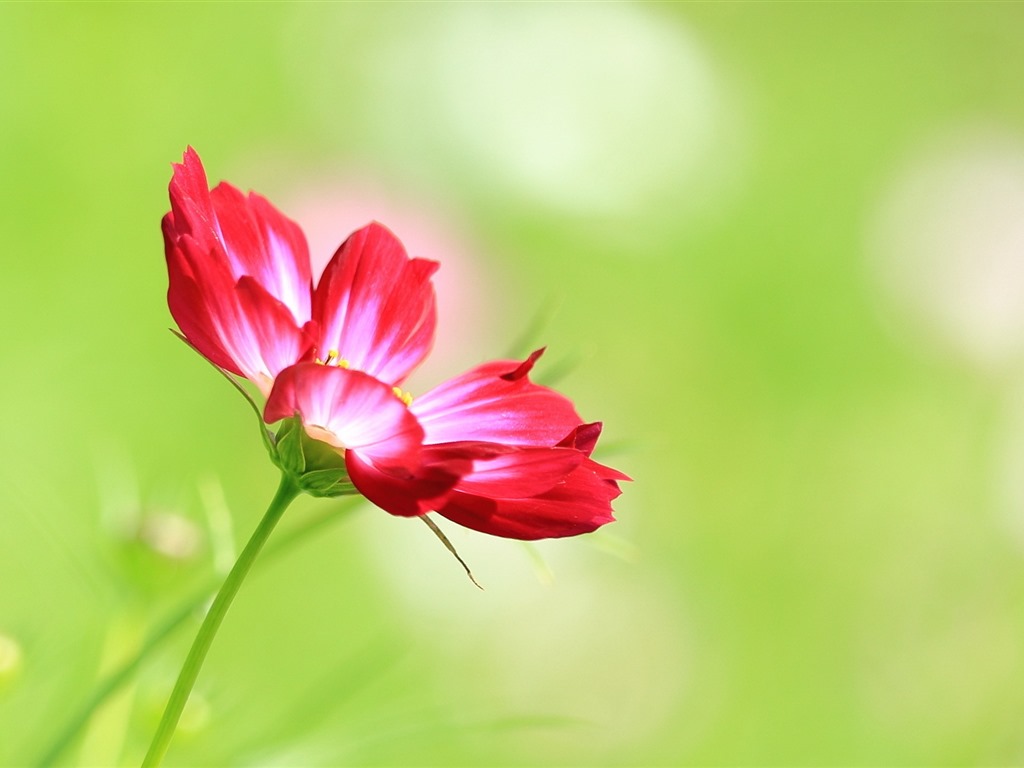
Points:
(777, 248)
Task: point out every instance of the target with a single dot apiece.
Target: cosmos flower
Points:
(488, 449)
(241, 290)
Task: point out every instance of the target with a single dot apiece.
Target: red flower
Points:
(489, 449)
(241, 291)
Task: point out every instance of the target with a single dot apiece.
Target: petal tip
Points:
(525, 367)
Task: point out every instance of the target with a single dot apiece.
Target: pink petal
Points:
(264, 244)
(265, 332)
(240, 287)
(496, 402)
(349, 409)
(579, 503)
(375, 306)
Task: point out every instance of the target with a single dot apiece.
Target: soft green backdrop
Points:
(777, 248)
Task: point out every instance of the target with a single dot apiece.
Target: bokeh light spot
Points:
(582, 107)
(947, 245)
(10, 657)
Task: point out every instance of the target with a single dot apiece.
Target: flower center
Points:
(333, 359)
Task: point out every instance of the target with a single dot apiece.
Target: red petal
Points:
(264, 244)
(375, 306)
(413, 492)
(580, 503)
(583, 438)
(520, 473)
(408, 493)
(350, 410)
(239, 324)
(191, 209)
(252, 236)
(190, 311)
(490, 403)
(239, 276)
(268, 329)
(524, 367)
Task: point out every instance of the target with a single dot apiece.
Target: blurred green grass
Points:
(823, 567)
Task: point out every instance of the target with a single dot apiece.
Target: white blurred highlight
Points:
(587, 108)
(947, 245)
(171, 535)
(10, 657)
(126, 515)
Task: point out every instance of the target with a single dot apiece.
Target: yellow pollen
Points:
(333, 359)
(405, 397)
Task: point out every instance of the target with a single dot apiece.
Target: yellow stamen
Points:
(405, 397)
(333, 359)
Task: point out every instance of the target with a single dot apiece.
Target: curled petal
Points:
(579, 503)
(350, 410)
(524, 367)
(496, 402)
(584, 438)
(376, 306)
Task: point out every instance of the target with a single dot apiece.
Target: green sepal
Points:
(290, 455)
(327, 482)
(317, 468)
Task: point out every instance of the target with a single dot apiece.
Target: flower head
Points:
(488, 449)
(241, 290)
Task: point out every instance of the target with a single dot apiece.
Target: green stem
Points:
(286, 492)
(113, 682)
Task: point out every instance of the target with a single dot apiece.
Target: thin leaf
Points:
(450, 547)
